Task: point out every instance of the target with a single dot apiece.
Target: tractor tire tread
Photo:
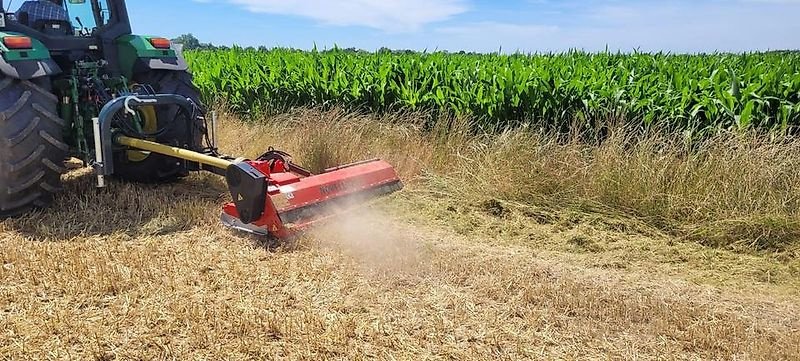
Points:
(43, 92)
(47, 187)
(60, 169)
(28, 183)
(54, 141)
(21, 203)
(48, 114)
(32, 150)
(32, 157)
(14, 109)
(24, 133)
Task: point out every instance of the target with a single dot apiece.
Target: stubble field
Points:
(450, 268)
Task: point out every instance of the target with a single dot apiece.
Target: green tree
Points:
(189, 42)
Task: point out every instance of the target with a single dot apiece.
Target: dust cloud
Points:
(376, 241)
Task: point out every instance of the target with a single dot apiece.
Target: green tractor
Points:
(74, 82)
(56, 74)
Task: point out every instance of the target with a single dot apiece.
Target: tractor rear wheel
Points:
(32, 149)
(155, 168)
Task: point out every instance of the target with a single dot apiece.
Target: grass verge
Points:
(738, 192)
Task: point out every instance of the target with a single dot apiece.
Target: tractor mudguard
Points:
(138, 55)
(27, 63)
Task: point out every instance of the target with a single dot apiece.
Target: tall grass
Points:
(733, 190)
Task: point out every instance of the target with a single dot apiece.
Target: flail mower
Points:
(75, 82)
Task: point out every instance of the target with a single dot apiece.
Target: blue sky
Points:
(481, 25)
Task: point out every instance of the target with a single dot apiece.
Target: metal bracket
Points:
(248, 188)
(214, 130)
(98, 153)
(104, 144)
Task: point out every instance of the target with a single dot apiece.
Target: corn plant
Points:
(686, 92)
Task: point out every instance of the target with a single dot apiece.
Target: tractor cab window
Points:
(62, 17)
(87, 16)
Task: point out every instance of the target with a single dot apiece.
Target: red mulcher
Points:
(274, 197)
(271, 195)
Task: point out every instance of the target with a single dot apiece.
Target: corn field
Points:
(685, 92)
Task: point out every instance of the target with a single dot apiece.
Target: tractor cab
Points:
(81, 18)
(71, 30)
(51, 21)
(82, 30)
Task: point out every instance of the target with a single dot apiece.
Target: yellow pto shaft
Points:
(174, 152)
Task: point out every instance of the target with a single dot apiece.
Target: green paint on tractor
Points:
(136, 47)
(37, 52)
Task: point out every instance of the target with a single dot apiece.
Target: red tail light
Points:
(160, 43)
(18, 42)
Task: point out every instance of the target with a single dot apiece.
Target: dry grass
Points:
(529, 256)
(737, 191)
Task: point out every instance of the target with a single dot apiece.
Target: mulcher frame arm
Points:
(105, 165)
(248, 186)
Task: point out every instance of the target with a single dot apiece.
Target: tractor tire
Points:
(156, 168)
(32, 148)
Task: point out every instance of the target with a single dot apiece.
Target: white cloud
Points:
(388, 15)
(738, 25)
(541, 25)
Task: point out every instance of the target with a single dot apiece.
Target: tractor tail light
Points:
(160, 43)
(18, 42)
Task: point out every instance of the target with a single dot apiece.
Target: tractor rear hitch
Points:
(103, 139)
